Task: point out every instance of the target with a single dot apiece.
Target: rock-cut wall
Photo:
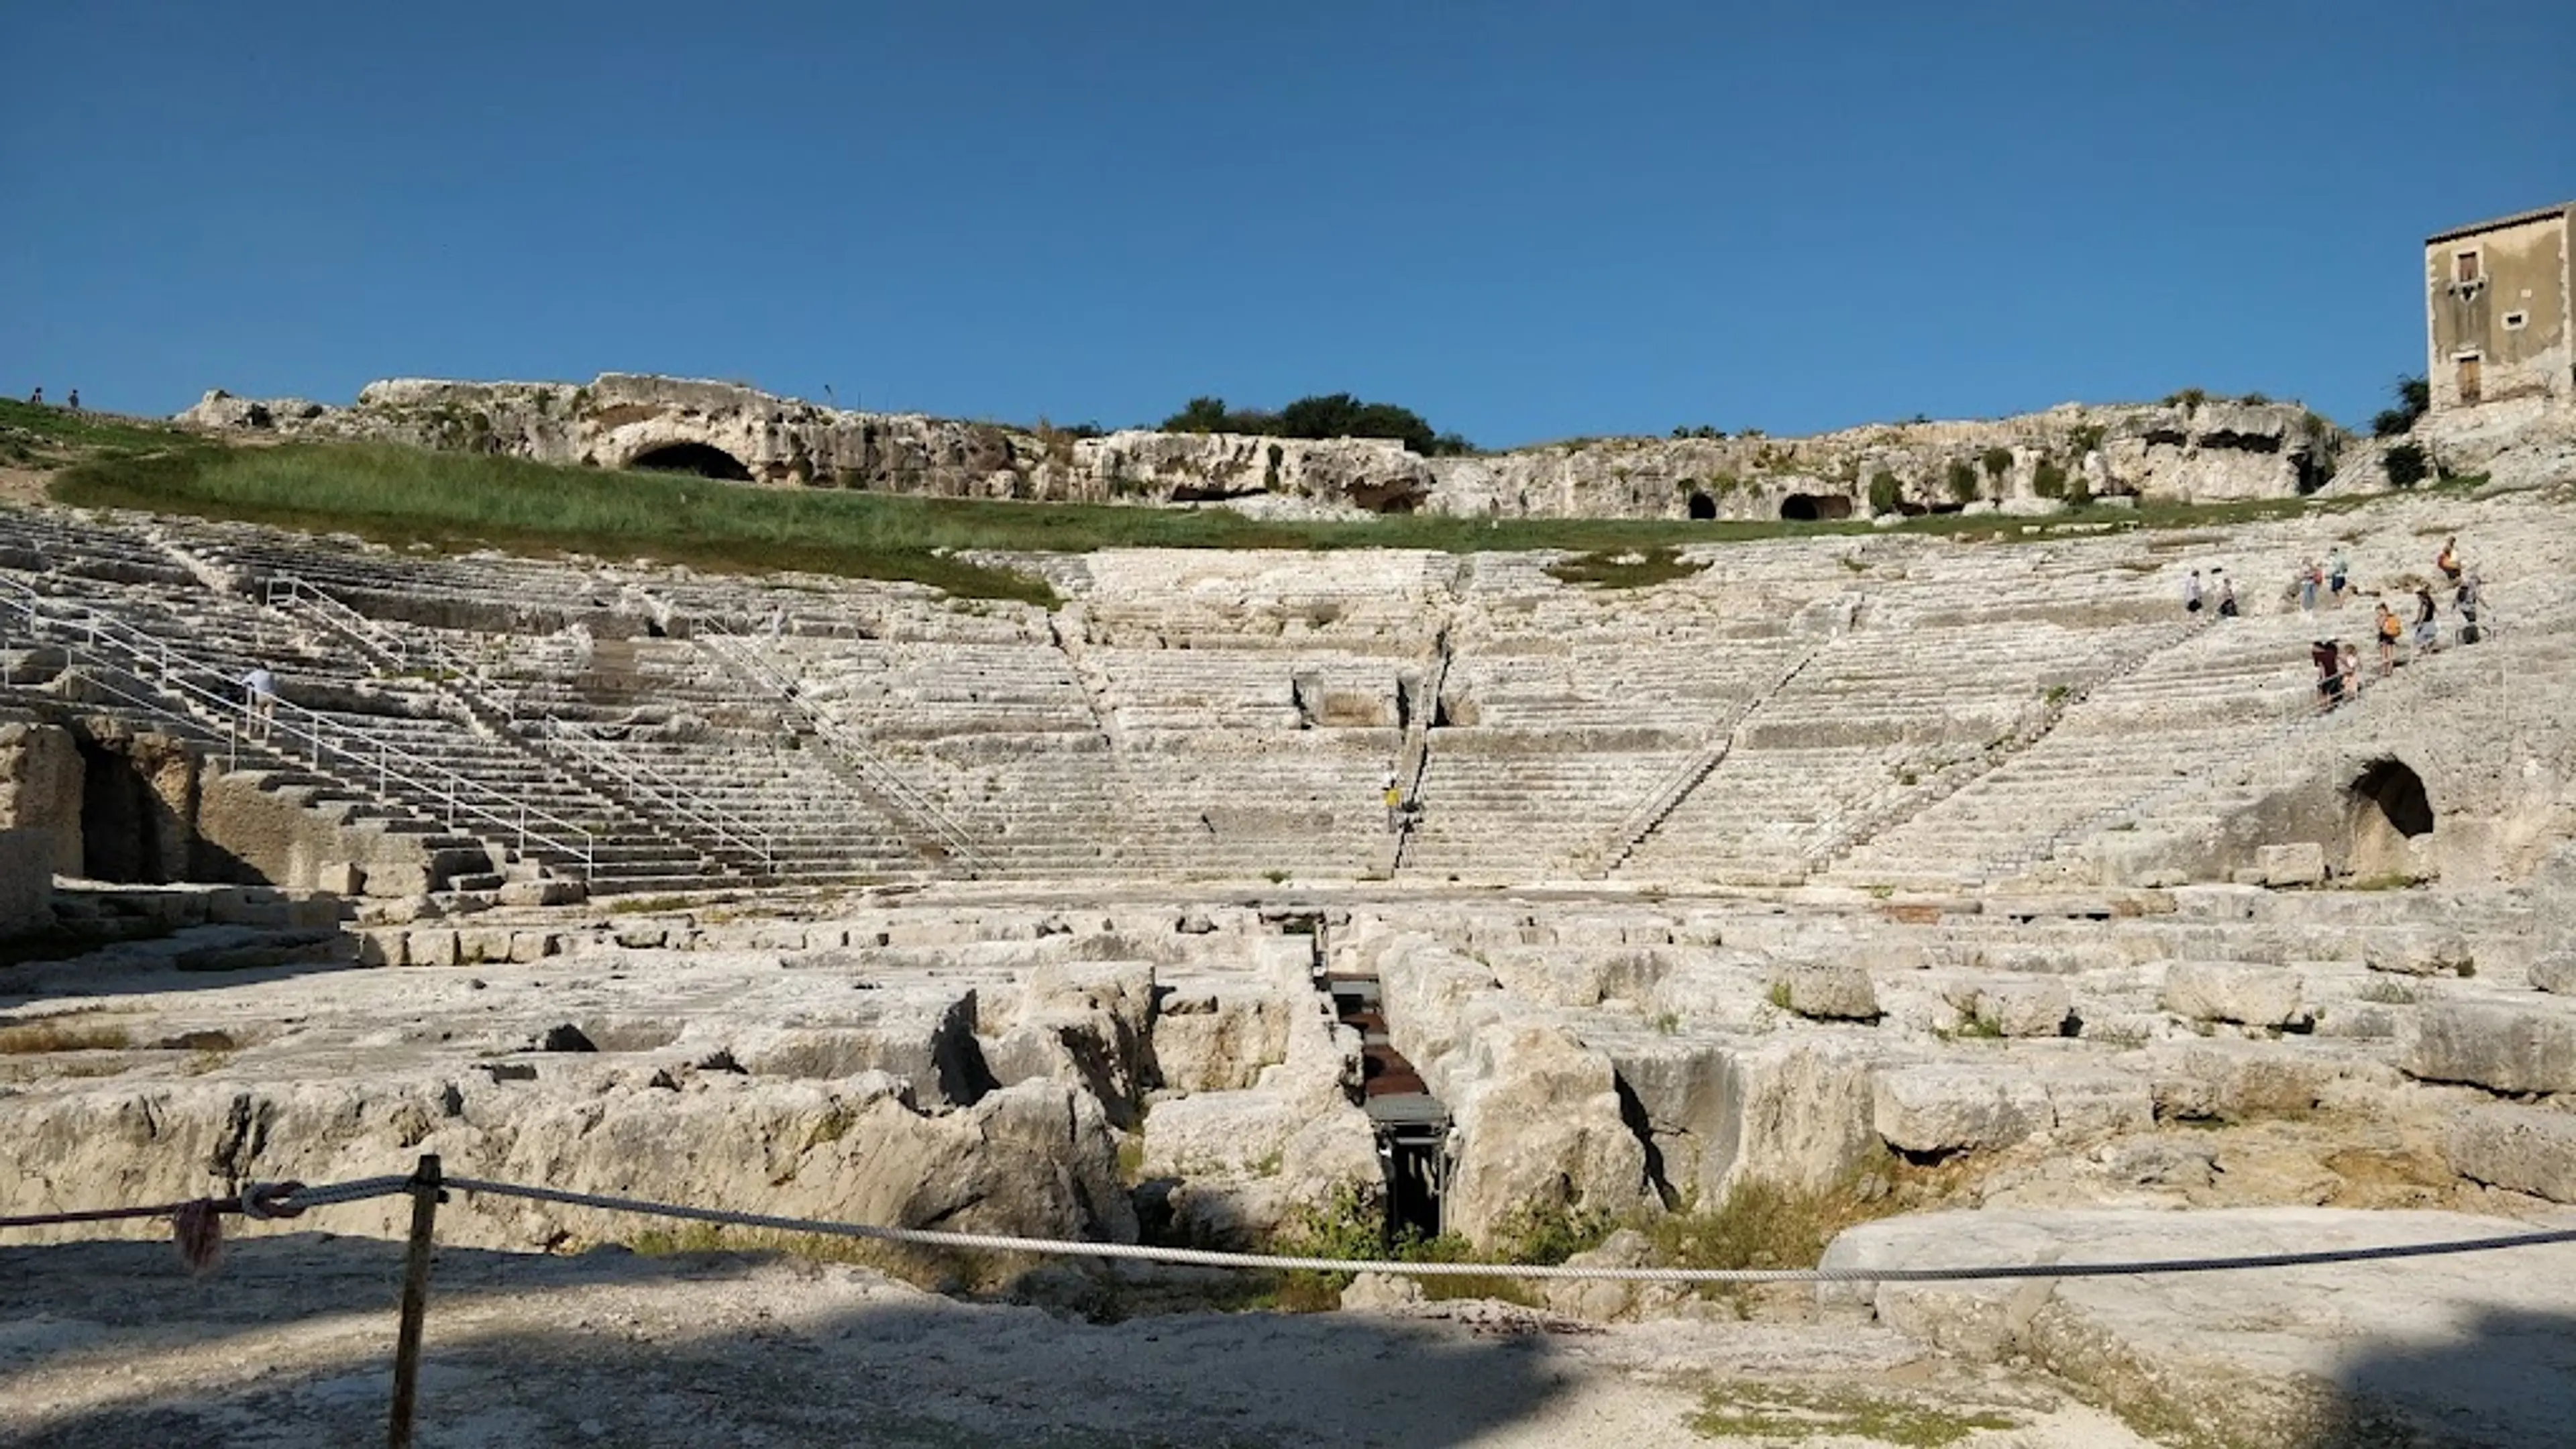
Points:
(2183, 451)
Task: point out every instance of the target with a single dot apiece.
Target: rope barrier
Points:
(285, 1200)
(1202, 1258)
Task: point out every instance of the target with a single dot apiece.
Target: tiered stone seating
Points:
(59, 543)
(1497, 803)
(2208, 703)
(1872, 714)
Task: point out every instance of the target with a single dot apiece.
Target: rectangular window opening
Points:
(2516, 321)
(2464, 267)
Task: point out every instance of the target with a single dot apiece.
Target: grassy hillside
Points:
(404, 496)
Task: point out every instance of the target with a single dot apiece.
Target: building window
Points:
(2464, 268)
(2516, 321)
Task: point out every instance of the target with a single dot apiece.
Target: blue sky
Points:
(1522, 220)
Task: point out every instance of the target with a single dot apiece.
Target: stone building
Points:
(2497, 312)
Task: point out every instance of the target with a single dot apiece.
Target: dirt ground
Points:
(290, 1343)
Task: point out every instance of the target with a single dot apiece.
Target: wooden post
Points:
(425, 1196)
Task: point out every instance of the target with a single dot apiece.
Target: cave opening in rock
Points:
(1815, 507)
(703, 460)
(2386, 812)
(2398, 794)
(1702, 506)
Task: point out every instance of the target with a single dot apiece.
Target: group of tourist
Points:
(2339, 665)
(36, 399)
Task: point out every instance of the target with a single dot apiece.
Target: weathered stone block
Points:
(2422, 953)
(545, 892)
(1931, 1110)
(2026, 1008)
(2555, 973)
(1827, 991)
(2501, 1048)
(2518, 1148)
(2303, 863)
(2099, 1104)
(2240, 991)
(430, 948)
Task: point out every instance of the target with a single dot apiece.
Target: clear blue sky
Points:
(1523, 220)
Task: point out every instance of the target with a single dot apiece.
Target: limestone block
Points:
(1600, 1301)
(2238, 1080)
(925, 1038)
(2239, 991)
(2302, 863)
(1828, 991)
(2085, 1105)
(528, 946)
(2522, 1149)
(2026, 1008)
(2555, 973)
(384, 948)
(26, 881)
(483, 944)
(2499, 1047)
(1540, 1126)
(1939, 1109)
(339, 878)
(1380, 1292)
(2419, 953)
(545, 892)
(313, 913)
(429, 948)
(1214, 1038)
(40, 789)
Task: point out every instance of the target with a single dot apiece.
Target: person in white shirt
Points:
(261, 688)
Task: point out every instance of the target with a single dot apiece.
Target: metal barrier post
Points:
(425, 1196)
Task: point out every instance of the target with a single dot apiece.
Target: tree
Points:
(1201, 415)
(2414, 399)
(1323, 415)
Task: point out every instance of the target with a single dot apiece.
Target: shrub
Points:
(2048, 480)
(2407, 465)
(1963, 481)
(2190, 397)
(1885, 493)
(1998, 461)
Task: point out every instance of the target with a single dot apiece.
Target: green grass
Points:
(53, 430)
(1625, 568)
(408, 497)
(1800, 1412)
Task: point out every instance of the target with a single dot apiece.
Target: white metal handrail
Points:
(732, 649)
(641, 780)
(1642, 818)
(657, 787)
(175, 673)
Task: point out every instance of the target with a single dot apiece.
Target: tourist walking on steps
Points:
(2351, 670)
(260, 688)
(2309, 577)
(1394, 804)
(2428, 634)
(36, 399)
(2338, 573)
(2466, 601)
(2448, 560)
(72, 400)
(2191, 593)
(2329, 662)
(2389, 629)
(2226, 595)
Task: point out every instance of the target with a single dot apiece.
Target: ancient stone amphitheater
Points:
(1849, 874)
